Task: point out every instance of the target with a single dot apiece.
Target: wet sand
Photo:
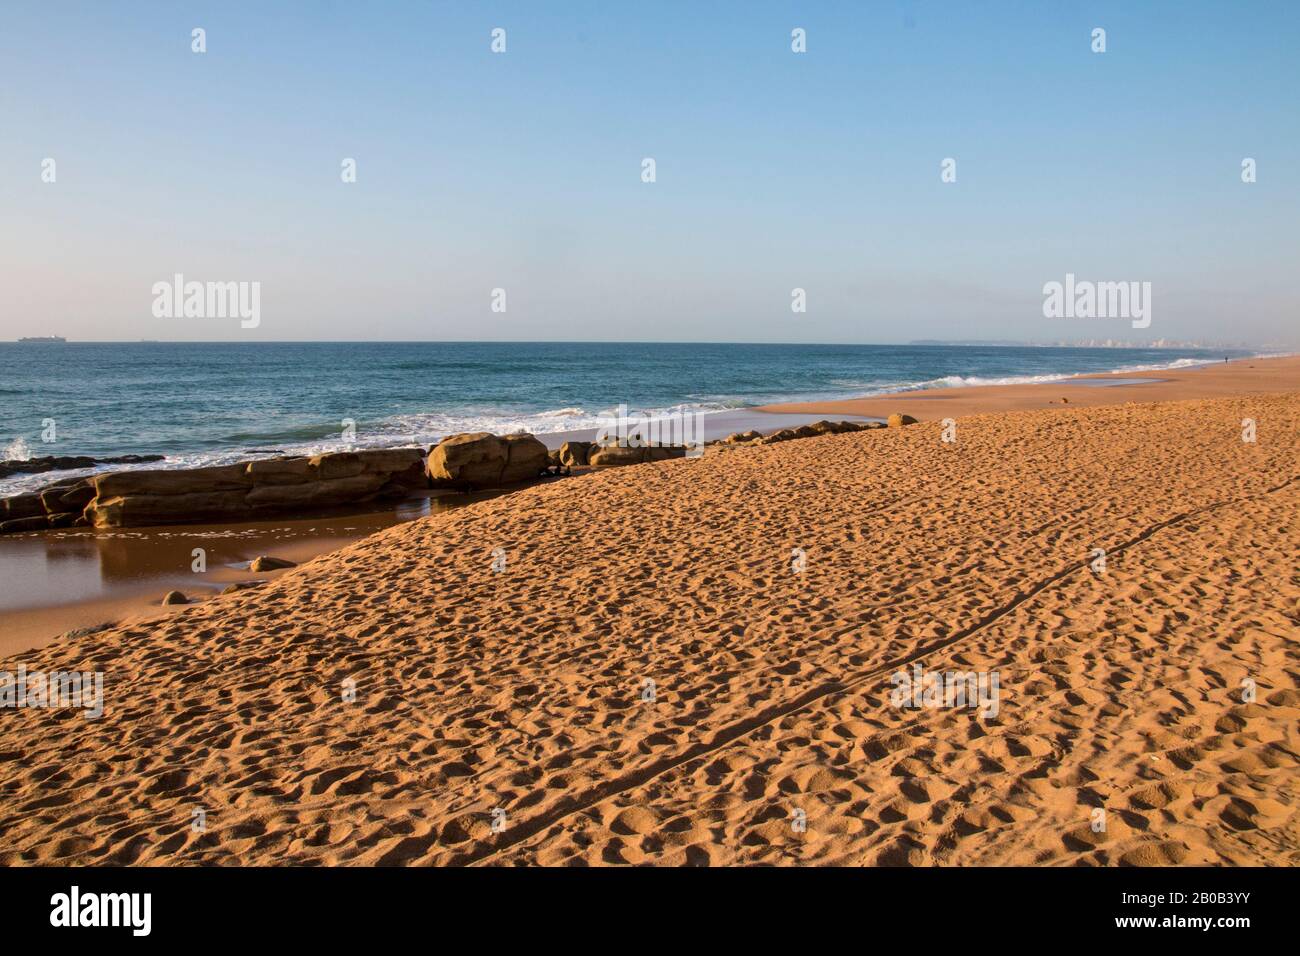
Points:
(1255, 376)
(653, 676)
(58, 581)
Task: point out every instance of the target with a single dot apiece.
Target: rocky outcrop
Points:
(249, 490)
(58, 506)
(482, 460)
(613, 456)
(270, 486)
(137, 511)
(803, 431)
(122, 484)
(253, 489)
(45, 463)
(72, 496)
(325, 493)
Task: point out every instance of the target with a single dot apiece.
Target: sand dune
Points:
(524, 690)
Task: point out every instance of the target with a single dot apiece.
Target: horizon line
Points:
(916, 343)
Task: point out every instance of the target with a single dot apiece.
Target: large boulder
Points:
(897, 420)
(482, 460)
(473, 459)
(574, 453)
(526, 459)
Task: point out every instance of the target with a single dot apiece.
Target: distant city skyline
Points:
(518, 178)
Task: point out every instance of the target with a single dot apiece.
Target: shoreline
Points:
(137, 585)
(1235, 378)
(717, 423)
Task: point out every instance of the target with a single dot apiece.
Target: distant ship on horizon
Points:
(44, 338)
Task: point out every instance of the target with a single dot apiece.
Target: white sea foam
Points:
(17, 450)
(425, 429)
(965, 381)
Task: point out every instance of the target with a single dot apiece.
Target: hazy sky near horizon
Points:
(775, 170)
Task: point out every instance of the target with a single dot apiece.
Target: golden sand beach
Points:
(1252, 376)
(691, 662)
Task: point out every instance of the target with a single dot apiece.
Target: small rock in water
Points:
(267, 563)
(175, 597)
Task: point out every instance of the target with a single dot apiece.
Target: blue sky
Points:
(775, 170)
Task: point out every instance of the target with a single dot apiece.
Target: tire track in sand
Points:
(520, 833)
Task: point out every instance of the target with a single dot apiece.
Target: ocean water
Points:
(213, 402)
